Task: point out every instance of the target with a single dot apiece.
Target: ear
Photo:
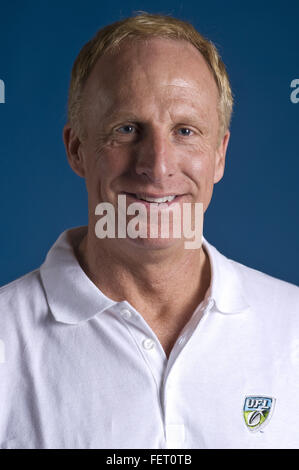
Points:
(73, 147)
(220, 157)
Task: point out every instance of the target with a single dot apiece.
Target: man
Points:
(139, 342)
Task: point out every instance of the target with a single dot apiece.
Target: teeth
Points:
(156, 199)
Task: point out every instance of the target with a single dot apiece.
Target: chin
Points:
(155, 244)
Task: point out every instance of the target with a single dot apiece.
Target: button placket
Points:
(146, 341)
(126, 313)
(174, 421)
(174, 426)
(193, 324)
(148, 344)
(210, 304)
(175, 435)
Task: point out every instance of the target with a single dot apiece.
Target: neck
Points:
(164, 282)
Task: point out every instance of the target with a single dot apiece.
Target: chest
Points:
(167, 332)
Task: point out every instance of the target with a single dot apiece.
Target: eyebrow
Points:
(130, 116)
(123, 116)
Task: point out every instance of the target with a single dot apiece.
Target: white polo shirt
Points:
(78, 370)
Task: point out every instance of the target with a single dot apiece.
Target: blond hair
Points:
(145, 25)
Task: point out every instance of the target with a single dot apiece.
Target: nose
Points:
(155, 157)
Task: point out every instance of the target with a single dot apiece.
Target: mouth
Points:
(149, 199)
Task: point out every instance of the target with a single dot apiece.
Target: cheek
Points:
(200, 167)
(200, 170)
(112, 166)
(104, 168)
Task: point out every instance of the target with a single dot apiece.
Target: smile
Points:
(155, 199)
(142, 197)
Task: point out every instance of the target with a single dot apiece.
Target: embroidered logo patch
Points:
(257, 411)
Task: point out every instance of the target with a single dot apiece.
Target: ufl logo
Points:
(257, 411)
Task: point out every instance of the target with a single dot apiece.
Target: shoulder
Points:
(22, 299)
(30, 281)
(262, 289)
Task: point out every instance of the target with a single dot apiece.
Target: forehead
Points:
(139, 70)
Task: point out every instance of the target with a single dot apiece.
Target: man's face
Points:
(150, 114)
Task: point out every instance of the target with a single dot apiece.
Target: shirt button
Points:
(148, 343)
(210, 303)
(181, 339)
(126, 313)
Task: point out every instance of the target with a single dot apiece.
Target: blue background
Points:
(253, 214)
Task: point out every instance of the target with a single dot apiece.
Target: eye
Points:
(185, 131)
(127, 129)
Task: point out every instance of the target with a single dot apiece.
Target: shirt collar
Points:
(226, 288)
(73, 297)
